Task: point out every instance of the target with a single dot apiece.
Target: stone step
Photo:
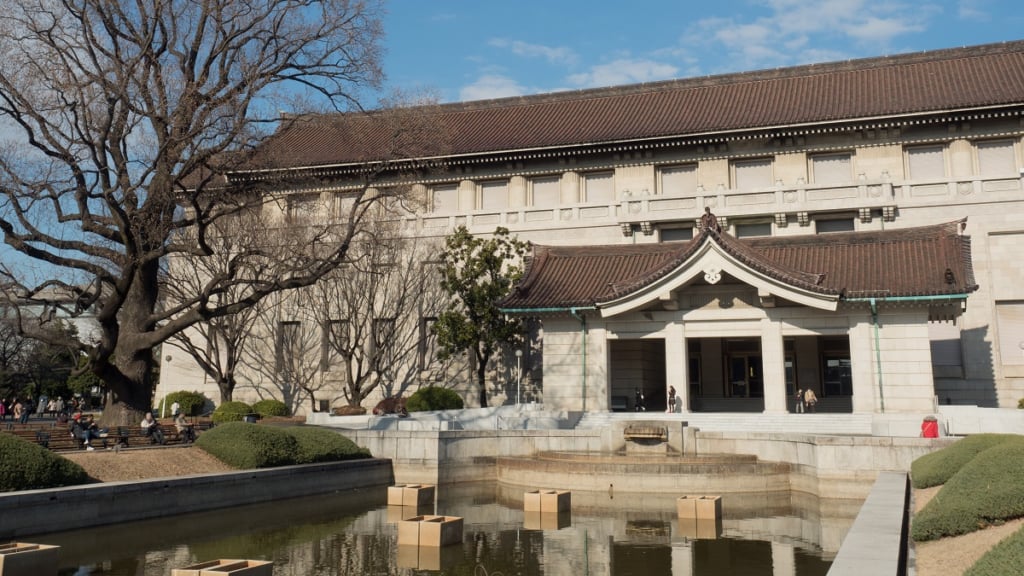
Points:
(825, 424)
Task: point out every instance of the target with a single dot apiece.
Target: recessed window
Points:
(750, 174)
(302, 209)
(926, 163)
(996, 158)
(833, 225)
(753, 229)
(678, 180)
(831, 168)
(494, 195)
(444, 199)
(599, 187)
(676, 234)
(545, 192)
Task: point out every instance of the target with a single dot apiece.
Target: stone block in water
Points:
(225, 567)
(410, 495)
(27, 559)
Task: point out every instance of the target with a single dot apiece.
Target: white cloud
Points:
(781, 36)
(977, 10)
(554, 55)
(624, 71)
(491, 86)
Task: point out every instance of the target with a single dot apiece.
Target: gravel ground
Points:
(953, 556)
(143, 463)
(946, 557)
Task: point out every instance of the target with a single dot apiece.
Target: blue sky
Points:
(477, 49)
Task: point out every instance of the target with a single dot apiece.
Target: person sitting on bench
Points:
(151, 429)
(185, 430)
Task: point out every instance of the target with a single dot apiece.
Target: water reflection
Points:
(347, 534)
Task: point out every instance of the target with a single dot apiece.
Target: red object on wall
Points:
(930, 428)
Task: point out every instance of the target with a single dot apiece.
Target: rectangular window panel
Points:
(287, 347)
(676, 234)
(678, 180)
(1010, 318)
(831, 168)
(303, 209)
(599, 188)
(749, 174)
(333, 343)
(945, 343)
(753, 229)
(494, 195)
(383, 342)
(996, 158)
(546, 192)
(926, 163)
(834, 225)
(428, 342)
(445, 199)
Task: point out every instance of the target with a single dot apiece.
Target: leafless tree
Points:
(359, 330)
(124, 119)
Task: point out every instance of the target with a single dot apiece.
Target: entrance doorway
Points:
(637, 366)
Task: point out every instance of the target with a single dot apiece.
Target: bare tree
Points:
(357, 331)
(125, 117)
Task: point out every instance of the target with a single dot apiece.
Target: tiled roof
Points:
(939, 81)
(885, 263)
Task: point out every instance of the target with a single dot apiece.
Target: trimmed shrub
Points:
(270, 407)
(191, 403)
(321, 445)
(986, 490)
(1007, 557)
(231, 412)
(939, 466)
(1020, 404)
(28, 466)
(248, 446)
(433, 398)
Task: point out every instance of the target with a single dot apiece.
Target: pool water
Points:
(355, 533)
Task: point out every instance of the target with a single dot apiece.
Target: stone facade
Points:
(849, 174)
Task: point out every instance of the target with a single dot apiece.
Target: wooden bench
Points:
(645, 432)
(59, 438)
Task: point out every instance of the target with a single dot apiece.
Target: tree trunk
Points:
(481, 378)
(227, 388)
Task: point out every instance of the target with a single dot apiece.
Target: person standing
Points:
(799, 401)
(672, 399)
(810, 399)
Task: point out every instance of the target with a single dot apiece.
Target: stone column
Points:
(570, 188)
(863, 366)
(467, 196)
(773, 365)
(677, 365)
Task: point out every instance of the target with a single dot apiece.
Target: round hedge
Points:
(939, 466)
(243, 445)
(433, 398)
(322, 445)
(233, 411)
(270, 407)
(191, 403)
(28, 466)
(985, 491)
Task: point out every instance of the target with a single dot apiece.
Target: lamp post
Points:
(519, 373)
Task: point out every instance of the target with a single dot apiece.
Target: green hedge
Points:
(321, 445)
(191, 403)
(270, 407)
(1007, 557)
(248, 446)
(939, 466)
(231, 412)
(433, 398)
(986, 490)
(28, 466)
(243, 445)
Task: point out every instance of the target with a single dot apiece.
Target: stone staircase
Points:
(818, 424)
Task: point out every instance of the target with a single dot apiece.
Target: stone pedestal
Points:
(537, 520)
(399, 513)
(26, 559)
(411, 495)
(548, 501)
(224, 567)
(430, 531)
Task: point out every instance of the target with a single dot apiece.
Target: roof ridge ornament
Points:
(709, 221)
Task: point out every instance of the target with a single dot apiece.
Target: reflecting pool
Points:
(356, 533)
